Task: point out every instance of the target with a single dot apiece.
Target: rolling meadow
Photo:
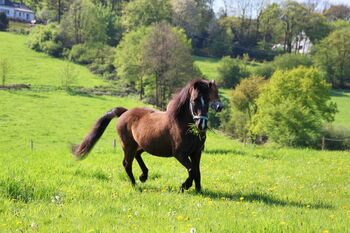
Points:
(245, 188)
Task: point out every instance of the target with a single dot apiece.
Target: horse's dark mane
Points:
(179, 103)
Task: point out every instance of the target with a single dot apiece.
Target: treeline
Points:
(147, 46)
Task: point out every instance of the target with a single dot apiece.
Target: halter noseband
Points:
(196, 117)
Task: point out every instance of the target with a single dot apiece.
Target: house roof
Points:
(17, 6)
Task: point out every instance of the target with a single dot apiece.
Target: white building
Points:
(16, 11)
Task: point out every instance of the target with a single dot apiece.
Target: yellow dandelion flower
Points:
(325, 231)
(241, 198)
(18, 222)
(180, 218)
(283, 223)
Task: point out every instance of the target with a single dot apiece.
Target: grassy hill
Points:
(30, 67)
(245, 189)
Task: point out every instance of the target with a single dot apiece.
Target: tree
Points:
(68, 75)
(270, 26)
(294, 17)
(129, 57)
(157, 59)
(243, 99)
(293, 107)
(4, 69)
(245, 94)
(144, 13)
(4, 22)
(231, 71)
(317, 27)
(84, 23)
(336, 12)
(333, 56)
(167, 57)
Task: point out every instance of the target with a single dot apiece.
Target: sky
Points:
(219, 3)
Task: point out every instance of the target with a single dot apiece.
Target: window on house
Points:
(27, 16)
(20, 14)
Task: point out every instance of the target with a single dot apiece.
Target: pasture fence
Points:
(325, 139)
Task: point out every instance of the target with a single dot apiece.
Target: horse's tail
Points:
(82, 150)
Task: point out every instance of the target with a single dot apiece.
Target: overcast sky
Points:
(219, 3)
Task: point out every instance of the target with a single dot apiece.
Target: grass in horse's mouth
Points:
(192, 129)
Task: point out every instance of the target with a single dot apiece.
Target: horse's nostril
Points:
(219, 108)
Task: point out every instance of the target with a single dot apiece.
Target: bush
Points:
(265, 70)
(231, 71)
(52, 48)
(46, 39)
(4, 22)
(83, 53)
(98, 57)
(290, 61)
(293, 107)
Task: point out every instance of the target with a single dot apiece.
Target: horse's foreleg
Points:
(185, 161)
(127, 163)
(195, 158)
(143, 177)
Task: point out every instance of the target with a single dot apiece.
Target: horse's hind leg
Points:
(129, 155)
(144, 175)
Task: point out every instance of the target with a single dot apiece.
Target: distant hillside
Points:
(30, 67)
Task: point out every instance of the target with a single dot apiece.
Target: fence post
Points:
(114, 143)
(323, 143)
(31, 145)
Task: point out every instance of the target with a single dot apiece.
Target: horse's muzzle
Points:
(217, 106)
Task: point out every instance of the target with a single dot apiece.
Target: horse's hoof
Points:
(143, 178)
(186, 186)
(199, 190)
(182, 189)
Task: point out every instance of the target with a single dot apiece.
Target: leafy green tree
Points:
(243, 99)
(83, 23)
(245, 94)
(270, 26)
(144, 13)
(167, 57)
(294, 17)
(317, 27)
(156, 59)
(231, 71)
(129, 57)
(293, 107)
(4, 22)
(333, 56)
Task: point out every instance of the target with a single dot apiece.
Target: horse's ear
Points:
(196, 85)
(211, 83)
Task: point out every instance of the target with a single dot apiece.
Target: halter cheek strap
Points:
(196, 117)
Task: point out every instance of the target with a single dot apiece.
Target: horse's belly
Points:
(154, 141)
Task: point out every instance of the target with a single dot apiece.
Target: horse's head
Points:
(202, 93)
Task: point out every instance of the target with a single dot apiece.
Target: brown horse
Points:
(164, 134)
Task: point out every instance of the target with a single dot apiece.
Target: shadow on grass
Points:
(262, 198)
(224, 151)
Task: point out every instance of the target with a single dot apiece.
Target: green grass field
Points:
(245, 188)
